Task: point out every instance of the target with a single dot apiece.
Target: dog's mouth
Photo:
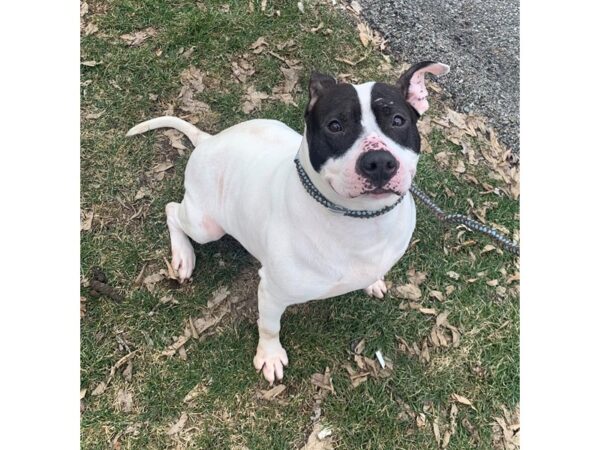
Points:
(378, 193)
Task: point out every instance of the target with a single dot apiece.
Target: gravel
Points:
(479, 39)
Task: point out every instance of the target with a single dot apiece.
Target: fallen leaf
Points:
(409, 292)
(178, 426)
(492, 283)
(416, 278)
(314, 443)
(151, 280)
(138, 37)
(259, 45)
(358, 349)
(218, 296)
(90, 29)
(124, 400)
(488, 248)
(196, 391)
(128, 371)
(142, 192)
(253, 99)
(463, 400)
(162, 167)
(99, 389)
(82, 393)
(323, 380)
(453, 275)
(437, 295)
(194, 78)
(82, 307)
(90, 63)
(272, 393)
(242, 69)
(86, 220)
(174, 347)
(429, 311)
(450, 289)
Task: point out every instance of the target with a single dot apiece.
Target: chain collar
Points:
(314, 193)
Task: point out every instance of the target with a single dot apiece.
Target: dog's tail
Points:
(193, 133)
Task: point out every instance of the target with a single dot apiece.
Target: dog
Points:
(326, 212)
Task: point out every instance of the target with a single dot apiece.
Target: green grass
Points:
(317, 335)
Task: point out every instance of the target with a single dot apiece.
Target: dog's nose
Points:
(378, 166)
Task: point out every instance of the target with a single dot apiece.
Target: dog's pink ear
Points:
(412, 83)
(318, 84)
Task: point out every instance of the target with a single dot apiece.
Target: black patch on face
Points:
(387, 102)
(337, 103)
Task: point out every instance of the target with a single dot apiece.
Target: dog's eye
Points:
(398, 121)
(334, 126)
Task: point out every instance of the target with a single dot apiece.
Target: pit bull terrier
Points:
(326, 213)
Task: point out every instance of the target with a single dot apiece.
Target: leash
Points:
(508, 245)
(460, 219)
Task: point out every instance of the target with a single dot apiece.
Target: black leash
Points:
(464, 220)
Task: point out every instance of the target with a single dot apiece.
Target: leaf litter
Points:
(138, 37)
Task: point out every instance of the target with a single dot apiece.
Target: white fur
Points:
(243, 182)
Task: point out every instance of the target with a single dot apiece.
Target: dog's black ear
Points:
(318, 84)
(412, 83)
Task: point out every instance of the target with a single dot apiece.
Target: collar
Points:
(314, 193)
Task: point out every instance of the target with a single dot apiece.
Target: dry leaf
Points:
(124, 401)
(194, 78)
(453, 275)
(416, 278)
(429, 311)
(197, 390)
(82, 307)
(162, 167)
(259, 45)
(450, 289)
(178, 426)
(409, 292)
(272, 393)
(358, 349)
(151, 280)
(437, 295)
(218, 296)
(323, 381)
(464, 400)
(315, 443)
(90, 29)
(492, 282)
(138, 37)
(253, 99)
(174, 348)
(86, 220)
(99, 389)
(144, 191)
(90, 64)
(242, 69)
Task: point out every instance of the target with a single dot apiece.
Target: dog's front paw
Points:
(377, 289)
(184, 260)
(270, 359)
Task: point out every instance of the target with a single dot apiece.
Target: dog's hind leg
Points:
(185, 223)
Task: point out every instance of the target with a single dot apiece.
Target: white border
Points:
(39, 185)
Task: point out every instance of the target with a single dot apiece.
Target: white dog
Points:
(325, 213)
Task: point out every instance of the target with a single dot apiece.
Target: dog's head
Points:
(363, 139)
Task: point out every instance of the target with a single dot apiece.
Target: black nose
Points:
(379, 166)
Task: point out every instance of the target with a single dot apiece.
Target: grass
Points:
(228, 414)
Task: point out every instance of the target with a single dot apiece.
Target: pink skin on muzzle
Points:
(356, 184)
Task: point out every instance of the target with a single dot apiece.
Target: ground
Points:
(478, 39)
(165, 365)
